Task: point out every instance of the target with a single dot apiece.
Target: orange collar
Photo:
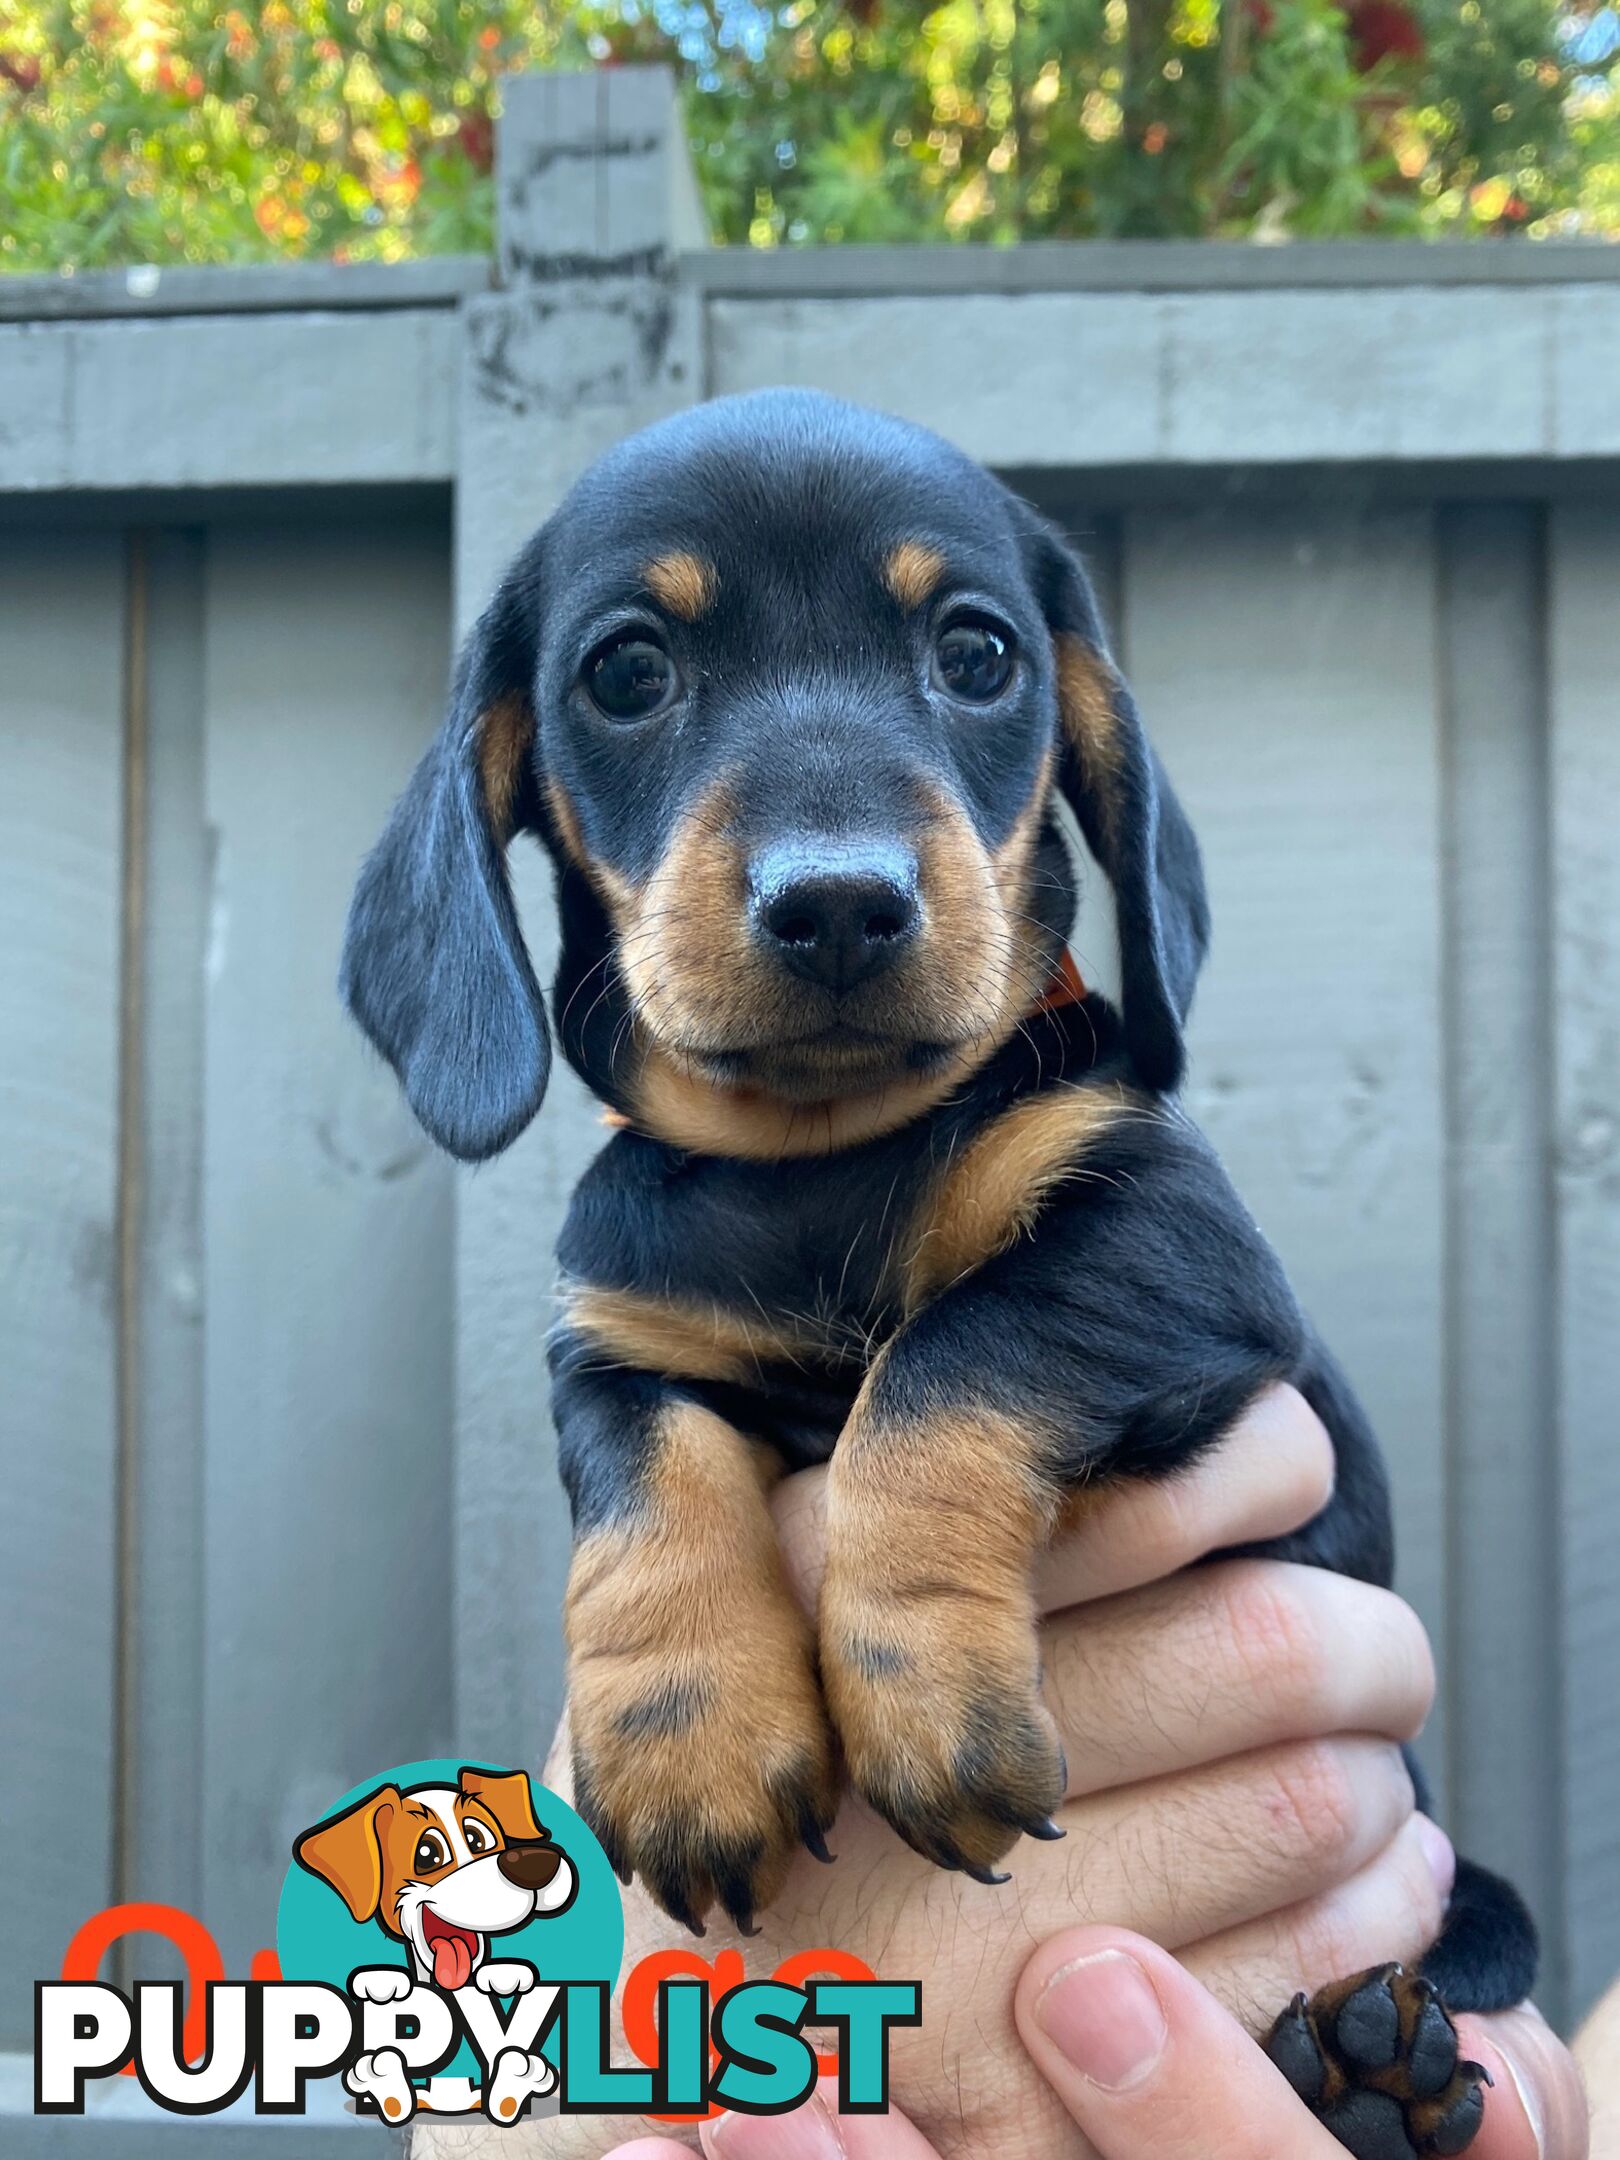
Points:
(1067, 987)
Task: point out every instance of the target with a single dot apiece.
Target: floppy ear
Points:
(347, 1853)
(506, 1794)
(434, 965)
(1128, 811)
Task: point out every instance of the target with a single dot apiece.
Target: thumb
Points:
(1148, 2063)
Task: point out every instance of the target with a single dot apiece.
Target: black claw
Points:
(1045, 1829)
(994, 1877)
(815, 1844)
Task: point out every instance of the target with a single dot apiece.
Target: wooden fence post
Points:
(589, 337)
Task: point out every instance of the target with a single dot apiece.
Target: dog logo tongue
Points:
(452, 1949)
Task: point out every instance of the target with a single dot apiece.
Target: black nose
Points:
(835, 913)
(531, 1866)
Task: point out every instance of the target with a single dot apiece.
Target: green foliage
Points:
(177, 130)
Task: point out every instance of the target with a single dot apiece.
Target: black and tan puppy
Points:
(791, 692)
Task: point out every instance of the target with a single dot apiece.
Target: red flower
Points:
(21, 70)
(476, 135)
(1379, 30)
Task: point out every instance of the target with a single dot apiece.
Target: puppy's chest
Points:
(766, 1288)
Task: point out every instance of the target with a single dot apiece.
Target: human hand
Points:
(1235, 1793)
(1149, 2067)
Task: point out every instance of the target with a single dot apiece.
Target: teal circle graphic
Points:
(317, 1938)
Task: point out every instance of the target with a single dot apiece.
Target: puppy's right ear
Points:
(434, 965)
(347, 1851)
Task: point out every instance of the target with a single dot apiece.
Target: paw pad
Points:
(1375, 2059)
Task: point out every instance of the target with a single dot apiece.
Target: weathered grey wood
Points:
(1585, 787)
(1139, 266)
(61, 636)
(823, 272)
(593, 340)
(1286, 664)
(1110, 377)
(242, 288)
(216, 401)
(161, 1632)
(1501, 1644)
(326, 1216)
(1207, 378)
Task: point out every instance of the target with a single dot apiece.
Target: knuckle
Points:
(1311, 1801)
(1274, 1633)
(1390, 1911)
(1323, 1942)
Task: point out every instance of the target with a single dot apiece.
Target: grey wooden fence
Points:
(279, 1508)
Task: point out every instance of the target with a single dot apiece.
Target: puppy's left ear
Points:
(434, 965)
(506, 1794)
(1128, 811)
(347, 1851)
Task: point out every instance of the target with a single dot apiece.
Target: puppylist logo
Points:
(448, 1942)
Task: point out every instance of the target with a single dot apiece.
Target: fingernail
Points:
(1440, 1853)
(1502, 2067)
(1103, 2015)
(808, 2133)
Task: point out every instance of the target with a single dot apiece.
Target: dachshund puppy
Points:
(792, 693)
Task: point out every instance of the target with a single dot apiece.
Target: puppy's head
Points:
(787, 687)
(443, 1867)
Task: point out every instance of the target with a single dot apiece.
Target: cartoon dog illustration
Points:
(443, 1868)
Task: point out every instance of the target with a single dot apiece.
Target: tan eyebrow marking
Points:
(912, 571)
(683, 583)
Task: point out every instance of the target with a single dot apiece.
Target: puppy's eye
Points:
(478, 1838)
(973, 659)
(631, 679)
(431, 1852)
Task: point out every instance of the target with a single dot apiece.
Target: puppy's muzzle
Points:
(835, 914)
(530, 1866)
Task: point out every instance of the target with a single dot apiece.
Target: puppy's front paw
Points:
(933, 1688)
(381, 2078)
(1376, 2060)
(511, 1976)
(516, 2079)
(702, 1756)
(382, 1984)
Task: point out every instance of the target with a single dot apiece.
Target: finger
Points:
(1147, 2063)
(653, 2148)
(1389, 1909)
(1213, 1849)
(1536, 2108)
(807, 2133)
(799, 1505)
(1272, 1473)
(1240, 1655)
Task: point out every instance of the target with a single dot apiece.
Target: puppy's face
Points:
(787, 688)
(795, 711)
(443, 1868)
